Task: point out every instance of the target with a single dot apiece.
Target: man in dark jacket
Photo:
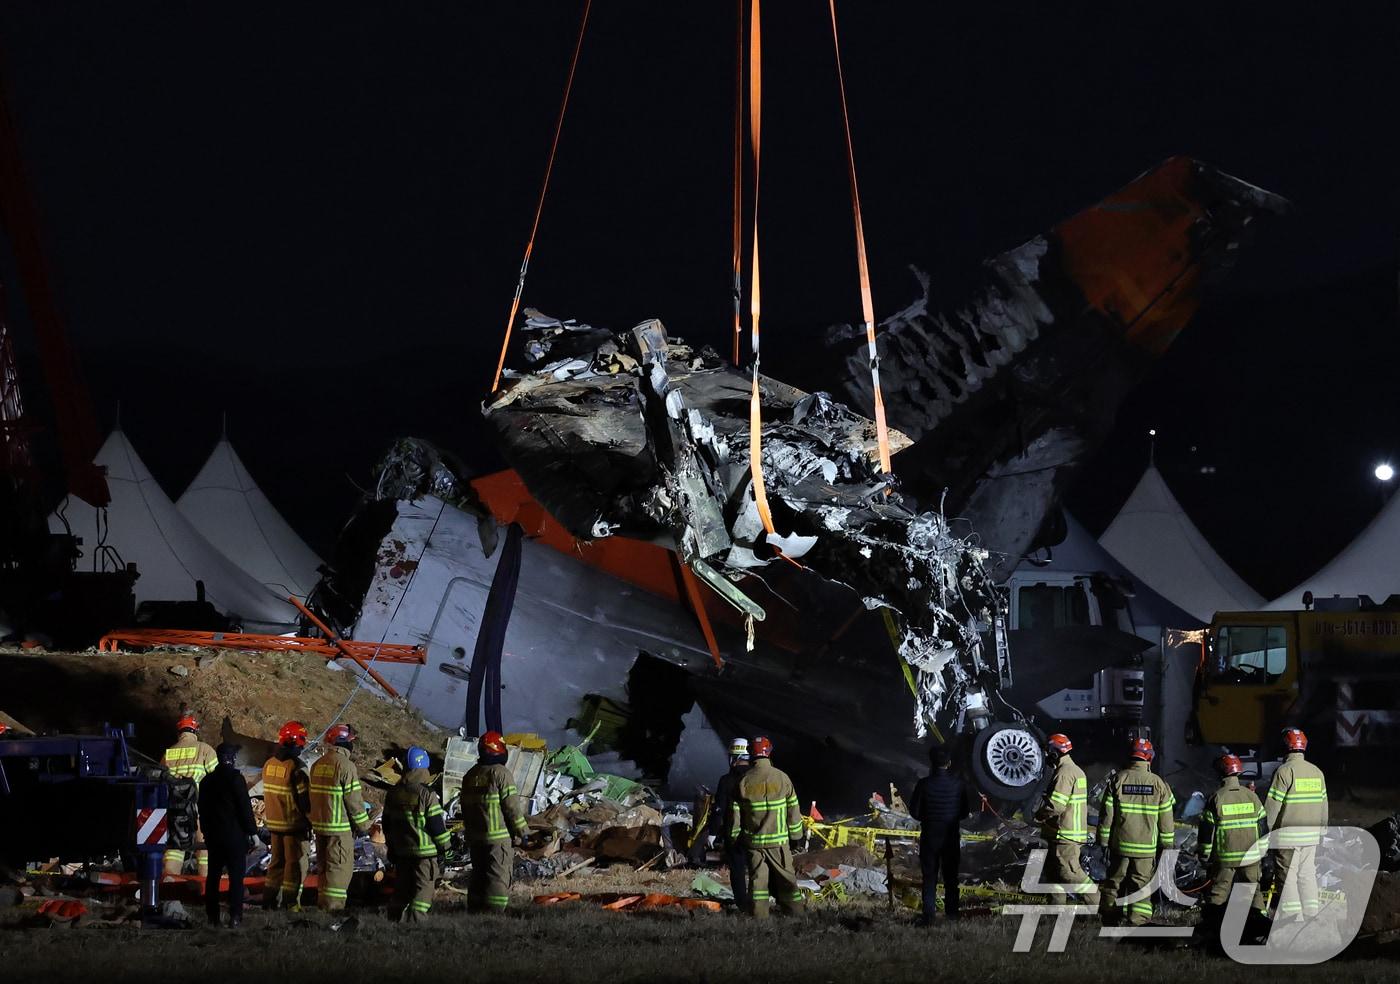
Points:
(939, 804)
(226, 816)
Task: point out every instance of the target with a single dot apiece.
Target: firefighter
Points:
(1297, 798)
(337, 814)
(189, 758)
(1135, 825)
(720, 815)
(492, 820)
(939, 804)
(415, 832)
(230, 831)
(1232, 823)
(1064, 819)
(766, 821)
(287, 805)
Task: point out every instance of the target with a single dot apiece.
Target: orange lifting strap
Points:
(760, 492)
(738, 175)
(539, 207)
(867, 305)
(862, 266)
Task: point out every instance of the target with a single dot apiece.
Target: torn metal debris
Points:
(647, 437)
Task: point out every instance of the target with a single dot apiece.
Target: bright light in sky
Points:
(1384, 472)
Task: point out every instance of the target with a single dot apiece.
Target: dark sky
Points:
(311, 215)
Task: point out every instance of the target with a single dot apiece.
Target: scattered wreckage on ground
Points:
(605, 838)
(644, 548)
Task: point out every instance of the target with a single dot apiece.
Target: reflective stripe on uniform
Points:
(424, 845)
(185, 761)
(328, 792)
(491, 800)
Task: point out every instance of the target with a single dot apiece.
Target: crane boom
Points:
(74, 424)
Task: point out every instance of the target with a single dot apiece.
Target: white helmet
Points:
(739, 747)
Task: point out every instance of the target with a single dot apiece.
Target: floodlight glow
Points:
(1384, 472)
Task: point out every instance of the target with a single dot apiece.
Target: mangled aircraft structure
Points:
(665, 429)
(630, 458)
(1008, 390)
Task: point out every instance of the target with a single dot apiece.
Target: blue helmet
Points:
(417, 758)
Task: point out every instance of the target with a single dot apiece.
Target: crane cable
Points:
(738, 176)
(539, 207)
(760, 493)
(867, 305)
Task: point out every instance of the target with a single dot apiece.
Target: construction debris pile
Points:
(579, 815)
(642, 435)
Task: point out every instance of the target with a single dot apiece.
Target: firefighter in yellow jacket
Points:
(415, 832)
(765, 822)
(1231, 825)
(189, 758)
(492, 818)
(1064, 820)
(1297, 798)
(337, 814)
(1135, 825)
(287, 809)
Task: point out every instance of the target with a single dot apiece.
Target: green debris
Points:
(707, 887)
(572, 762)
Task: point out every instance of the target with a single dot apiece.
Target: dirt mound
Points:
(255, 692)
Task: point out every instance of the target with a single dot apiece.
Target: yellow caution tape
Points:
(842, 833)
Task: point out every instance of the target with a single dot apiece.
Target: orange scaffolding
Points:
(251, 641)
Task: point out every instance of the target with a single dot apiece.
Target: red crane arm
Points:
(76, 428)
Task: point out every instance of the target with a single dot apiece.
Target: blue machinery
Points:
(79, 797)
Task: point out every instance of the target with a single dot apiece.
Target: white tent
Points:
(145, 528)
(227, 507)
(1153, 537)
(1366, 566)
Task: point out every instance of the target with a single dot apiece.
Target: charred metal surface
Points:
(1008, 392)
(648, 438)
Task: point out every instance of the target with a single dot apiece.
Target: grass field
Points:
(857, 942)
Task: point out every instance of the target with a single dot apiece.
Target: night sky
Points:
(310, 216)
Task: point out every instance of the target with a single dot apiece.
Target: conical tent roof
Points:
(145, 528)
(1154, 538)
(1366, 566)
(227, 507)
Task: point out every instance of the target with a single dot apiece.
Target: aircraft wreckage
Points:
(642, 436)
(630, 458)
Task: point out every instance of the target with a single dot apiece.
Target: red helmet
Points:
(1060, 744)
(1142, 750)
(761, 747)
(3, 727)
(292, 733)
(1295, 739)
(342, 734)
(491, 743)
(1229, 765)
(187, 723)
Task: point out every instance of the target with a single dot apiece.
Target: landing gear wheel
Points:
(1007, 762)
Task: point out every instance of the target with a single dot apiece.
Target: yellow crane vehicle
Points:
(1332, 669)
